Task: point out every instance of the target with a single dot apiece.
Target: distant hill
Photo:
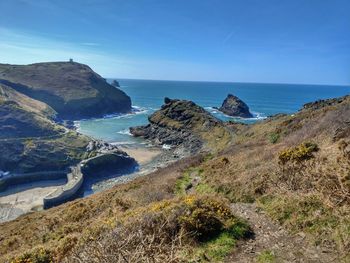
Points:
(73, 90)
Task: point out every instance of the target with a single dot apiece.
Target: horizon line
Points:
(232, 82)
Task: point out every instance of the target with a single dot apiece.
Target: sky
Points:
(269, 41)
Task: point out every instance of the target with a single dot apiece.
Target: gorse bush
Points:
(39, 255)
(203, 217)
(164, 231)
(196, 216)
(299, 153)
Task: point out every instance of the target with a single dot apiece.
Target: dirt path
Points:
(273, 242)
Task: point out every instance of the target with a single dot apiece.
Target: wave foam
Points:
(122, 143)
(125, 132)
(256, 115)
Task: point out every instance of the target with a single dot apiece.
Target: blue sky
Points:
(275, 41)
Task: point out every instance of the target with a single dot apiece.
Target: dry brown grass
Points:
(60, 228)
(254, 172)
(163, 231)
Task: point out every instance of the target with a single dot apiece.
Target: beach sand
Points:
(24, 198)
(142, 155)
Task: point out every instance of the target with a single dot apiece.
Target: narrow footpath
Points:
(272, 243)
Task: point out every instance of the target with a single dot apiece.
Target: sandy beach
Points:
(142, 155)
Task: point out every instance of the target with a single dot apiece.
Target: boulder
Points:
(235, 107)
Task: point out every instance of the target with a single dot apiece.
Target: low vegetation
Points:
(299, 153)
(191, 227)
(266, 256)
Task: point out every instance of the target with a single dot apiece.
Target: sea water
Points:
(148, 95)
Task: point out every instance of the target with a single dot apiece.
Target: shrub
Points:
(274, 137)
(167, 231)
(182, 184)
(39, 255)
(299, 153)
(203, 217)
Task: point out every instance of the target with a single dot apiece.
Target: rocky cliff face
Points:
(30, 141)
(185, 126)
(235, 107)
(73, 90)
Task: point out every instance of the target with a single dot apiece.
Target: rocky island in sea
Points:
(35, 146)
(184, 126)
(235, 107)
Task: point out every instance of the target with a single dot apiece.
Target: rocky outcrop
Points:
(323, 103)
(73, 90)
(235, 107)
(115, 83)
(185, 126)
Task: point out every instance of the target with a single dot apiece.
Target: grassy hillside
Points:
(21, 116)
(29, 104)
(73, 90)
(294, 168)
(29, 140)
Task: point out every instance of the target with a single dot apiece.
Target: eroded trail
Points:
(272, 243)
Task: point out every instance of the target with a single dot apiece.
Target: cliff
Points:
(30, 140)
(73, 90)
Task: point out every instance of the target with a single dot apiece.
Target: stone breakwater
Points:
(104, 163)
(15, 179)
(67, 192)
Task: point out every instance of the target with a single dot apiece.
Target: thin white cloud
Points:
(91, 44)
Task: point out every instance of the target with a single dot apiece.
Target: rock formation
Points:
(184, 125)
(73, 90)
(115, 83)
(235, 107)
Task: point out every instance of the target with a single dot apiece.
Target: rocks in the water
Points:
(115, 83)
(235, 107)
(167, 100)
(184, 125)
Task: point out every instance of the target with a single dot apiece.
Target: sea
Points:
(147, 96)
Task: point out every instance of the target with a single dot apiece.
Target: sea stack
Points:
(235, 107)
